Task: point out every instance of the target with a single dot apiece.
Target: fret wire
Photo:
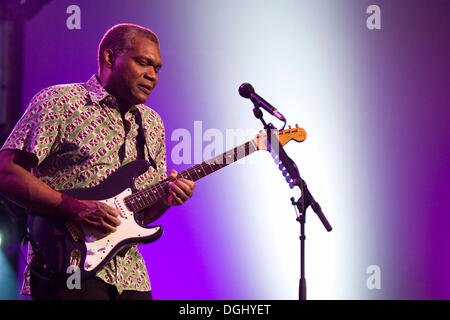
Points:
(193, 171)
(255, 147)
(231, 156)
(203, 169)
(196, 170)
(136, 199)
(161, 188)
(133, 201)
(199, 171)
(189, 174)
(139, 199)
(208, 167)
(144, 199)
(186, 174)
(149, 194)
(226, 156)
(154, 190)
(244, 151)
(149, 198)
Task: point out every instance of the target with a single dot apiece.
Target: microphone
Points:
(246, 90)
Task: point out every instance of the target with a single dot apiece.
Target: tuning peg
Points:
(296, 125)
(284, 173)
(289, 126)
(281, 167)
(288, 179)
(291, 185)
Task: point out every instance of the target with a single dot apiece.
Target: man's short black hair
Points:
(121, 37)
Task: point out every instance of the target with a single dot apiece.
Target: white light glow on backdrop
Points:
(354, 90)
(238, 238)
(297, 57)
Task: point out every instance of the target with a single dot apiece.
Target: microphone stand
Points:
(306, 199)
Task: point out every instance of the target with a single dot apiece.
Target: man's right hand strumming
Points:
(95, 215)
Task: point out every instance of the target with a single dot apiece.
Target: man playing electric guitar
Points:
(76, 136)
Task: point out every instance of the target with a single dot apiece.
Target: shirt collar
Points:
(97, 93)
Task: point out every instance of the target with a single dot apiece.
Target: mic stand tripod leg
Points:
(301, 218)
(302, 287)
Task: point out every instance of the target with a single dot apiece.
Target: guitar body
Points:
(57, 246)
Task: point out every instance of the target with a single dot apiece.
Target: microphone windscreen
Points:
(245, 90)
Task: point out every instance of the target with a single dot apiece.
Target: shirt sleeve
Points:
(38, 128)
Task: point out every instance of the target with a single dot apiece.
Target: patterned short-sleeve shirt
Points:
(79, 138)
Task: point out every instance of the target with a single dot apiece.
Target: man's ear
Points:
(108, 55)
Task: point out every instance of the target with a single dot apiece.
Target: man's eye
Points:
(141, 62)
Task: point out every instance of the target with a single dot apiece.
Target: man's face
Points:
(134, 72)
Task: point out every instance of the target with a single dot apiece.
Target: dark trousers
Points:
(91, 289)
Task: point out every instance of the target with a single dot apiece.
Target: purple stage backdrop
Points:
(367, 80)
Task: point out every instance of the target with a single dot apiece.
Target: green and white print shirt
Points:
(78, 137)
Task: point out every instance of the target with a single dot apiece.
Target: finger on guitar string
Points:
(110, 214)
(173, 174)
(111, 210)
(99, 217)
(174, 200)
(177, 188)
(186, 185)
(180, 189)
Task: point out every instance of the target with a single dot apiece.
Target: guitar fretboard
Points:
(148, 196)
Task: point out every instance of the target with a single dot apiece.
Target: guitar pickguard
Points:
(128, 232)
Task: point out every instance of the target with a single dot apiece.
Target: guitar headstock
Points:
(284, 136)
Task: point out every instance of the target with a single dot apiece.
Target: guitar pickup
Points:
(118, 205)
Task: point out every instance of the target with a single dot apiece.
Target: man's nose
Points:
(151, 74)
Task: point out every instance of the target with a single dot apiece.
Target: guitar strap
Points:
(141, 140)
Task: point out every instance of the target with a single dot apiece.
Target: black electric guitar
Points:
(62, 244)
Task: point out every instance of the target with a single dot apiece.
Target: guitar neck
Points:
(148, 196)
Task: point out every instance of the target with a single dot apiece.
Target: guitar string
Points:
(137, 197)
(145, 193)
